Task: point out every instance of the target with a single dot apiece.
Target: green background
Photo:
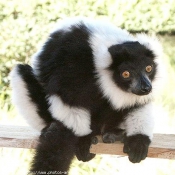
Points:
(25, 25)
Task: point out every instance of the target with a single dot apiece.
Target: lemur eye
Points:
(125, 74)
(148, 68)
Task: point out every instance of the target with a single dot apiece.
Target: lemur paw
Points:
(82, 149)
(52, 132)
(111, 137)
(49, 129)
(136, 147)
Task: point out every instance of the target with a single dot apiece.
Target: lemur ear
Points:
(117, 50)
(124, 48)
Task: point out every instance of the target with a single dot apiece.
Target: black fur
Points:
(136, 147)
(36, 92)
(133, 57)
(114, 135)
(63, 65)
(55, 150)
(66, 69)
(83, 147)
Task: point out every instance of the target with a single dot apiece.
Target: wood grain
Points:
(162, 146)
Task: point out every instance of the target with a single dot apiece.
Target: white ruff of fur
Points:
(73, 118)
(22, 101)
(101, 39)
(140, 121)
(151, 42)
(117, 97)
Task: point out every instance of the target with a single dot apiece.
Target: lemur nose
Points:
(146, 89)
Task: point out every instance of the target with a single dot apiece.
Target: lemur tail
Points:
(29, 97)
(55, 150)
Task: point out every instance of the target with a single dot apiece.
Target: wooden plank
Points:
(18, 136)
(162, 146)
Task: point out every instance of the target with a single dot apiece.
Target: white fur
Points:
(102, 38)
(91, 24)
(151, 42)
(77, 119)
(35, 61)
(22, 101)
(119, 98)
(140, 121)
(67, 23)
(103, 35)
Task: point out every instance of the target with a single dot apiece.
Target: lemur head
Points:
(133, 67)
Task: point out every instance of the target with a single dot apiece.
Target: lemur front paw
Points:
(136, 147)
(82, 149)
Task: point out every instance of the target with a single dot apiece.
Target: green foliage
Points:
(134, 15)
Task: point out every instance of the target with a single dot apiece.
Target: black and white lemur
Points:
(89, 78)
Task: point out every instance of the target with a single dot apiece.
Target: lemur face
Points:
(133, 67)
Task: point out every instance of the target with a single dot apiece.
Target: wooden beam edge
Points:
(155, 150)
(162, 146)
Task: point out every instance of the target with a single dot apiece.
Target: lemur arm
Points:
(140, 121)
(139, 132)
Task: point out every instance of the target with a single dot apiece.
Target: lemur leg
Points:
(139, 132)
(56, 149)
(29, 97)
(83, 148)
